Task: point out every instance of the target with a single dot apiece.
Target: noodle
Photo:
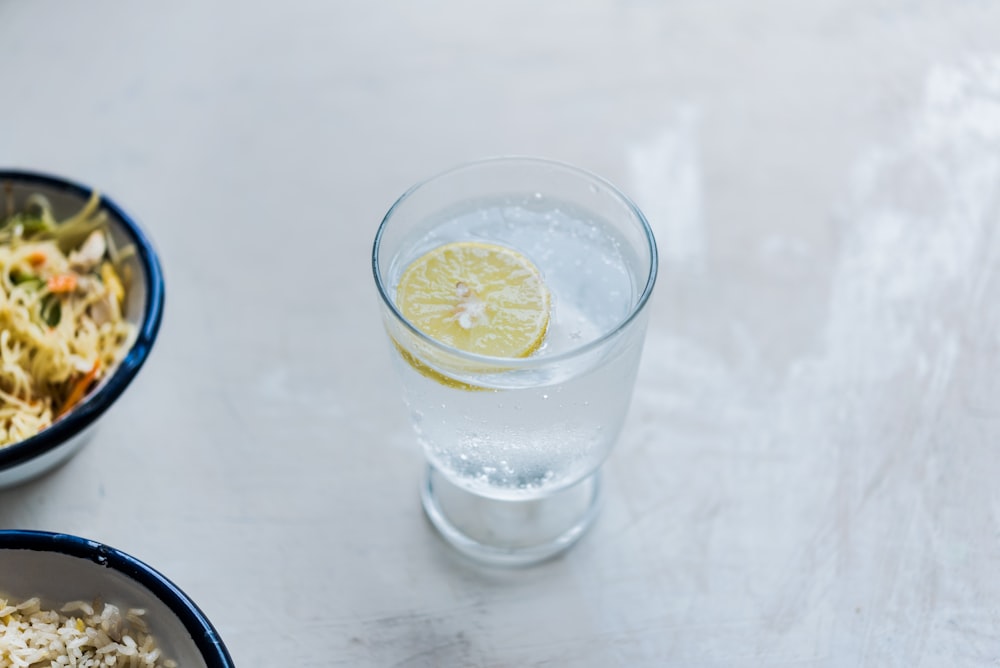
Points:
(61, 323)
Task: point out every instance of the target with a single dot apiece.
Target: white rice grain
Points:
(78, 635)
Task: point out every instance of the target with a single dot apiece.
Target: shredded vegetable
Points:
(62, 327)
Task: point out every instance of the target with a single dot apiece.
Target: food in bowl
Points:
(143, 306)
(62, 289)
(77, 634)
(58, 568)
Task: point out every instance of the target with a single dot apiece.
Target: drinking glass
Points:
(514, 446)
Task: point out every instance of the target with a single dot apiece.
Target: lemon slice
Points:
(477, 297)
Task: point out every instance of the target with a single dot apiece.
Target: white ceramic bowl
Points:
(59, 568)
(31, 457)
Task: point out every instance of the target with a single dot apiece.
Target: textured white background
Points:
(810, 473)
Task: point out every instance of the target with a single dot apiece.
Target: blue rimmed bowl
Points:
(60, 568)
(143, 307)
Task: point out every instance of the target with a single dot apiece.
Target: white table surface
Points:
(809, 474)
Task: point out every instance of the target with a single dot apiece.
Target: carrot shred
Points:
(36, 258)
(81, 387)
(60, 283)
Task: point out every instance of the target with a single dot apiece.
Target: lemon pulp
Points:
(477, 297)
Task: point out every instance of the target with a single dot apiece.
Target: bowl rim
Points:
(83, 415)
(203, 633)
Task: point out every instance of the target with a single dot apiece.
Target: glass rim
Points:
(513, 363)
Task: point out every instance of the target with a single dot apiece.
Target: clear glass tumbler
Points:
(515, 444)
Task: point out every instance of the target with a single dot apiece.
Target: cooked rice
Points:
(81, 634)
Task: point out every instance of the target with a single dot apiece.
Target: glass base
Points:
(509, 533)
